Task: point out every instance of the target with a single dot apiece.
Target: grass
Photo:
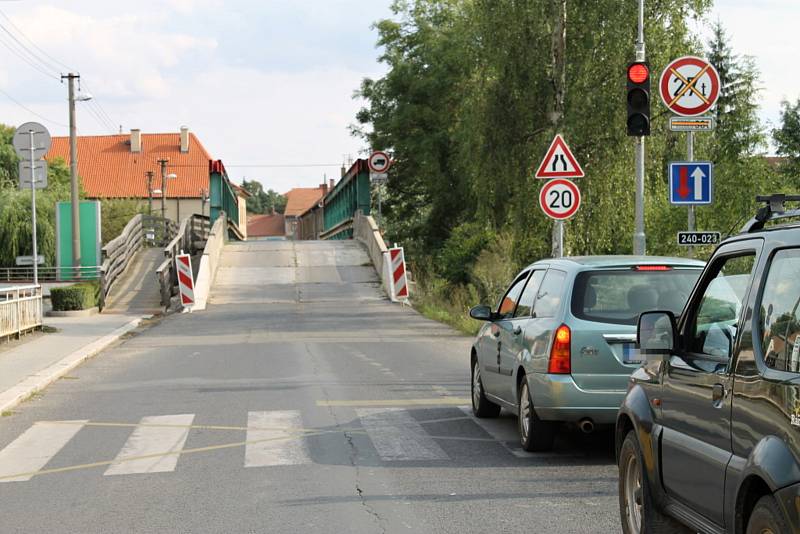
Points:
(7, 413)
(447, 304)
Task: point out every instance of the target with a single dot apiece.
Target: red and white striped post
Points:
(185, 280)
(398, 279)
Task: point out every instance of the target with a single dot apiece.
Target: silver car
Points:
(561, 344)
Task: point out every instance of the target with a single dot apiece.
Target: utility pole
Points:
(559, 50)
(639, 237)
(163, 163)
(73, 173)
(149, 175)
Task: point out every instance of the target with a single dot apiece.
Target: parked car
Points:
(709, 431)
(561, 344)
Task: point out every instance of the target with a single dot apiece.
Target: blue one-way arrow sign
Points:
(691, 182)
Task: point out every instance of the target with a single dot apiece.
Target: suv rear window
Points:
(619, 296)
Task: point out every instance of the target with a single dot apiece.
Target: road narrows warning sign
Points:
(559, 162)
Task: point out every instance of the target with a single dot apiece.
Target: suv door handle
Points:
(717, 392)
(517, 330)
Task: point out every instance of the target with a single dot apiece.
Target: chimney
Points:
(344, 171)
(184, 139)
(324, 187)
(332, 182)
(136, 141)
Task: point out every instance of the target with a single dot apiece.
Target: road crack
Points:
(354, 452)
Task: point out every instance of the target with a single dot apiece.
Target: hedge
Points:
(75, 297)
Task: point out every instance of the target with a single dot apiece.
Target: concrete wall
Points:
(366, 231)
(209, 262)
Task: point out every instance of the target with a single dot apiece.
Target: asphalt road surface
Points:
(300, 401)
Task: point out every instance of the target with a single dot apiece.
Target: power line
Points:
(29, 110)
(34, 44)
(24, 58)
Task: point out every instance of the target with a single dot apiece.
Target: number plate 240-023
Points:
(698, 238)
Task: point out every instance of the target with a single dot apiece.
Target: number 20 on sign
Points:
(560, 199)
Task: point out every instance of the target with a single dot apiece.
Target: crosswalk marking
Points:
(270, 439)
(499, 430)
(154, 446)
(398, 436)
(34, 448)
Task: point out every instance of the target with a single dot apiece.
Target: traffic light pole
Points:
(639, 237)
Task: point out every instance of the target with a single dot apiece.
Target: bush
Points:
(75, 297)
(494, 269)
(460, 251)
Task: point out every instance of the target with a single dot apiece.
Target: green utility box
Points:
(91, 238)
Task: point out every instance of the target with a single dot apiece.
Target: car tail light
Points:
(560, 354)
(652, 268)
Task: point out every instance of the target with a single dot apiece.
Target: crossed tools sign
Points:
(689, 85)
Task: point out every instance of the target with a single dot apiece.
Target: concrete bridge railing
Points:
(366, 231)
(209, 262)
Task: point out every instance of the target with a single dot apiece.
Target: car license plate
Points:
(630, 353)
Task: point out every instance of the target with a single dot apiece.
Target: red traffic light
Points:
(638, 72)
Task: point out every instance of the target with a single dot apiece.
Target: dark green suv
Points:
(708, 435)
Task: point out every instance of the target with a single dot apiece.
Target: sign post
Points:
(559, 164)
(690, 86)
(379, 163)
(32, 141)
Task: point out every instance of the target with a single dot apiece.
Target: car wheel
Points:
(535, 435)
(636, 507)
(481, 406)
(767, 517)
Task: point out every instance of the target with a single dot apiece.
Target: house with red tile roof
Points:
(298, 201)
(266, 225)
(116, 166)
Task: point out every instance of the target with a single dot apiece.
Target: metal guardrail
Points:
(20, 309)
(50, 274)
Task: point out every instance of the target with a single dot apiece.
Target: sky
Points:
(266, 85)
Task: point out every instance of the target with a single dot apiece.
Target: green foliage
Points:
(263, 201)
(438, 300)
(8, 157)
(15, 212)
(466, 107)
(787, 140)
(116, 213)
(461, 250)
(75, 297)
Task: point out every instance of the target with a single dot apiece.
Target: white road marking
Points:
(397, 436)
(501, 430)
(157, 435)
(265, 443)
(35, 447)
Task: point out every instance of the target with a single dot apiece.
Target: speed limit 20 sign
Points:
(560, 199)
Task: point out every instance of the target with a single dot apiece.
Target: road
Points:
(300, 401)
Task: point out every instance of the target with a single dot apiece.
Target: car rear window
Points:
(619, 296)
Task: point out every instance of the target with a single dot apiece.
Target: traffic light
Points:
(638, 99)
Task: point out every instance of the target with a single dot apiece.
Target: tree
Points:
(263, 201)
(787, 140)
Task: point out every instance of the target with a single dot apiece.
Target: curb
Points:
(40, 380)
(73, 313)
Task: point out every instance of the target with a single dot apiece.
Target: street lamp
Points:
(203, 200)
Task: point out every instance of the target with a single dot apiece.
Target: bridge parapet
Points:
(349, 196)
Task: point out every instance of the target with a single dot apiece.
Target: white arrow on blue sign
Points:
(691, 182)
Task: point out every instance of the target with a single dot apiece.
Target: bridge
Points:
(138, 274)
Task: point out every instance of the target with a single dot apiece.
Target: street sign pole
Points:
(690, 157)
(639, 237)
(33, 208)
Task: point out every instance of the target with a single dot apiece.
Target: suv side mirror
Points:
(657, 333)
(481, 313)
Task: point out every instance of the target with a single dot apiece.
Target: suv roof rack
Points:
(774, 210)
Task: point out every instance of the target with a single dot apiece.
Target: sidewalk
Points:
(32, 365)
